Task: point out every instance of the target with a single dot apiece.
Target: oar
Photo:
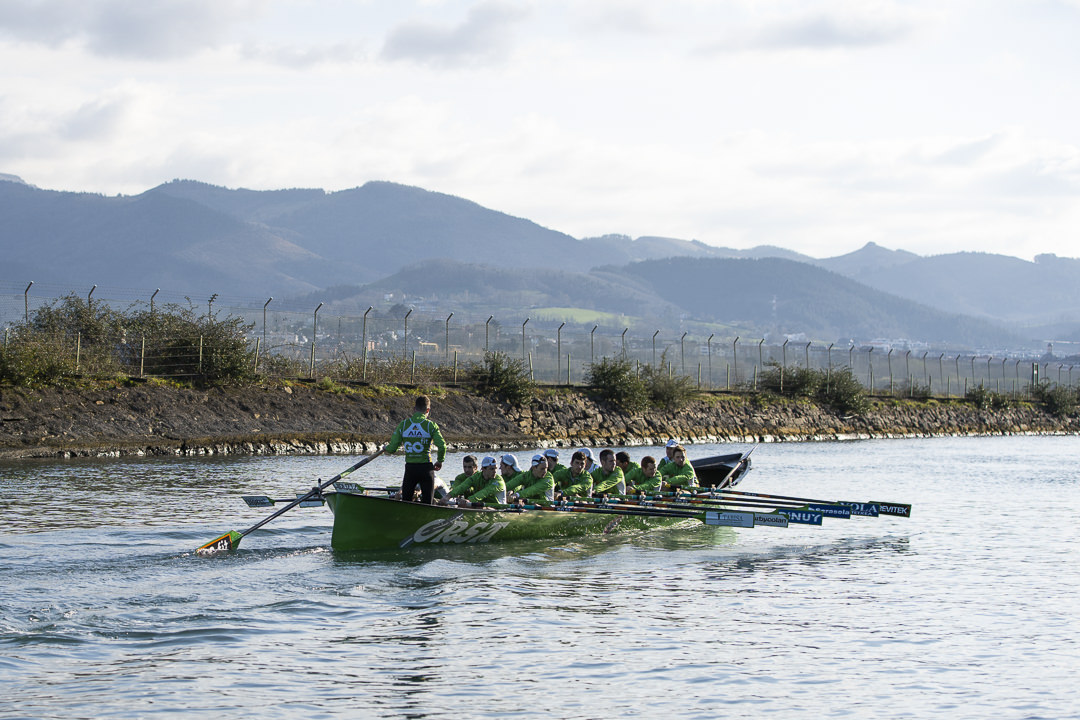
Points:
(266, 501)
(878, 507)
(231, 539)
(827, 510)
(717, 517)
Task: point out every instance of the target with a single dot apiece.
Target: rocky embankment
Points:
(280, 419)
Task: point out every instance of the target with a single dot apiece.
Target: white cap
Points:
(537, 459)
(510, 460)
(588, 453)
(488, 461)
(672, 443)
(552, 453)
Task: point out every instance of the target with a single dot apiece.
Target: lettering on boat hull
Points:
(454, 530)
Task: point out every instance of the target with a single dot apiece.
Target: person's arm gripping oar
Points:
(231, 539)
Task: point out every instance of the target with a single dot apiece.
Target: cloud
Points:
(302, 58)
(148, 29)
(483, 35)
(859, 26)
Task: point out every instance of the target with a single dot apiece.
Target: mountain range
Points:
(356, 247)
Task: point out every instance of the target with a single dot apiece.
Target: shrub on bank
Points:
(614, 380)
(504, 378)
(1059, 400)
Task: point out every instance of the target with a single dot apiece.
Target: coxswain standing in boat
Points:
(415, 435)
(608, 477)
(574, 482)
(678, 472)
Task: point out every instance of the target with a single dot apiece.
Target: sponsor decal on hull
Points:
(454, 530)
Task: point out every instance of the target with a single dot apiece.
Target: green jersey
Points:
(579, 486)
(494, 490)
(415, 435)
(605, 482)
(637, 482)
(679, 476)
(542, 488)
(518, 480)
(465, 484)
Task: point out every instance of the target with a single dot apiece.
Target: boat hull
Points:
(366, 522)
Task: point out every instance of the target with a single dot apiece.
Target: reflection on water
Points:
(106, 611)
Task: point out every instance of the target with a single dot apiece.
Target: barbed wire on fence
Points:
(382, 341)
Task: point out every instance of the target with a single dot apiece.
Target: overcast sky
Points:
(813, 125)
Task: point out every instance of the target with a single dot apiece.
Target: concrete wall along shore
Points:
(284, 420)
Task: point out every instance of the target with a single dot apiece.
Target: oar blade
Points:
(258, 501)
(228, 541)
(892, 508)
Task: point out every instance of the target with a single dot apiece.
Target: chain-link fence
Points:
(395, 342)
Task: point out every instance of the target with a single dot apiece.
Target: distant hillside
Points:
(790, 297)
(767, 295)
(198, 239)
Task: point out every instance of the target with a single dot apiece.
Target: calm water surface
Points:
(965, 610)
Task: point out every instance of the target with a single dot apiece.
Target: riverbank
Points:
(149, 419)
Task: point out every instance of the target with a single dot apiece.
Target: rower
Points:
(511, 473)
(574, 482)
(644, 479)
(669, 450)
(552, 457)
(624, 463)
(540, 484)
(608, 477)
(492, 485)
(590, 464)
(678, 472)
(470, 480)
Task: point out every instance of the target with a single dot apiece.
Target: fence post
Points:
(412, 372)
(568, 369)
(699, 376)
(447, 355)
(708, 344)
(314, 334)
(654, 347)
(258, 346)
(532, 377)
(363, 343)
(200, 353)
(78, 350)
(90, 308)
(405, 337)
(490, 318)
(624, 341)
(455, 366)
(735, 359)
(155, 295)
(889, 356)
(558, 354)
(26, 302)
(142, 358)
(264, 323)
(592, 344)
(523, 340)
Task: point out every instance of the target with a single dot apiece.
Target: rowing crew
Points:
(503, 481)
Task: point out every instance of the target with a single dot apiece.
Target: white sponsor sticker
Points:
(729, 519)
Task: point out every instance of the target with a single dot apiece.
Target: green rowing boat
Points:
(371, 522)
